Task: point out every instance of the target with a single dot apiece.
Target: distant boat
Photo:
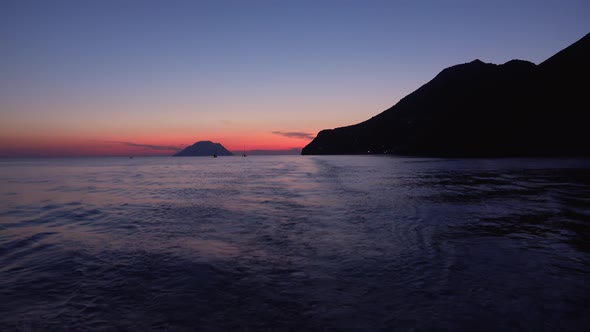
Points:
(244, 151)
(215, 155)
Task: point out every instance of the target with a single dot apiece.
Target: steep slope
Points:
(479, 109)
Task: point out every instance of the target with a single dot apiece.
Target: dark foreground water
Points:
(294, 243)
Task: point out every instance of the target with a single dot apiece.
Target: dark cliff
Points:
(479, 109)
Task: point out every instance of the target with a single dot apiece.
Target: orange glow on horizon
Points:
(141, 145)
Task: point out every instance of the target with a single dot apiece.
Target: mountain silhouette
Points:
(204, 148)
(480, 109)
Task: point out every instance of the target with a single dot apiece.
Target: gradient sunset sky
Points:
(145, 77)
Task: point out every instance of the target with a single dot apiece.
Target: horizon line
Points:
(252, 152)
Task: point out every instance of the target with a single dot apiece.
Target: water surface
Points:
(294, 243)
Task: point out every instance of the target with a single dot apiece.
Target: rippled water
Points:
(294, 243)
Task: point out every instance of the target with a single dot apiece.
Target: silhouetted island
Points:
(204, 148)
(480, 109)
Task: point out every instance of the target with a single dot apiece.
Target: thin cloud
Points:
(292, 151)
(148, 146)
(294, 134)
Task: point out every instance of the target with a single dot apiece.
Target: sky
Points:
(92, 78)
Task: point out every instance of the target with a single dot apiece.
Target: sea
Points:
(294, 243)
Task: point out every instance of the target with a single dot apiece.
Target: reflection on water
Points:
(297, 243)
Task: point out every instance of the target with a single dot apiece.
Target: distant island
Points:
(204, 148)
(480, 109)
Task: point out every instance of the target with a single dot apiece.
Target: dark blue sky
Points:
(179, 69)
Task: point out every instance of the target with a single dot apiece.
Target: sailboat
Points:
(244, 151)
